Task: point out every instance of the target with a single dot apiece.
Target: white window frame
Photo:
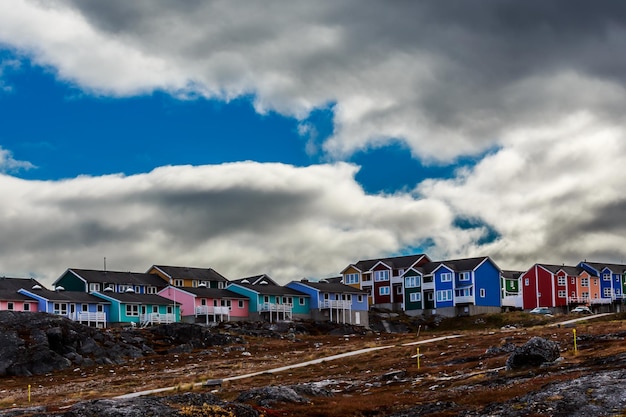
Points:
(444, 295)
(561, 281)
(240, 304)
(384, 291)
(10, 305)
(94, 286)
(415, 297)
(151, 290)
(562, 294)
(351, 279)
(26, 307)
(606, 276)
(584, 282)
(381, 275)
(483, 293)
(179, 282)
(607, 293)
(446, 277)
(359, 298)
(526, 282)
(412, 281)
(465, 276)
(132, 310)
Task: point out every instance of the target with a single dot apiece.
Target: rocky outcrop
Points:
(535, 352)
(38, 343)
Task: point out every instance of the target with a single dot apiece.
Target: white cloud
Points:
(552, 194)
(447, 79)
(241, 219)
(9, 164)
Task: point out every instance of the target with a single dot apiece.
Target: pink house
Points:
(203, 305)
(10, 299)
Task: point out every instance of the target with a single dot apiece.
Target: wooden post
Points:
(575, 346)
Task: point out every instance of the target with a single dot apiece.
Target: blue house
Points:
(334, 301)
(75, 305)
(453, 288)
(139, 309)
(270, 301)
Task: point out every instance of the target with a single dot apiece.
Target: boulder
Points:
(535, 352)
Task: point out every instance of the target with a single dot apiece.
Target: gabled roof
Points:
(467, 264)
(184, 272)
(269, 288)
(334, 280)
(332, 287)
(256, 280)
(118, 277)
(599, 266)
(10, 286)
(570, 270)
(205, 292)
(397, 262)
(508, 274)
(134, 298)
(66, 296)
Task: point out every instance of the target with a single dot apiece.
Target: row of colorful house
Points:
(414, 284)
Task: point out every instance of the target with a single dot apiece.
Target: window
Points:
(412, 282)
(60, 308)
(562, 294)
(430, 296)
(84, 308)
(178, 282)
(444, 295)
(415, 297)
(351, 279)
(584, 282)
(463, 292)
(573, 281)
(132, 310)
(26, 306)
(10, 306)
(170, 310)
(194, 283)
(595, 282)
(446, 277)
(301, 301)
(585, 295)
(384, 291)
(100, 308)
(203, 301)
(266, 298)
(464, 276)
(561, 281)
(221, 285)
(151, 290)
(607, 293)
(381, 275)
(399, 290)
(606, 276)
(526, 282)
(367, 277)
(483, 293)
(240, 304)
(94, 287)
(359, 298)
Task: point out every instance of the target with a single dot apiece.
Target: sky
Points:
(294, 138)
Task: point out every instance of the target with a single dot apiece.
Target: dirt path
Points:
(296, 365)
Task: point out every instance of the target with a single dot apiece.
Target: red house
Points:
(546, 285)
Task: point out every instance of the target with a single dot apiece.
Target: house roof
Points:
(570, 270)
(185, 272)
(255, 280)
(599, 266)
(396, 262)
(508, 274)
(336, 280)
(134, 298)
(67, 296)
(466, 264)
(205, 292)
(10, 286)
(118, 277)
(271, 289)
(333, 287)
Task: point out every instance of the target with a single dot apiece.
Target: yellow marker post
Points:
(28, 392)
(418, 358)
(575, 347)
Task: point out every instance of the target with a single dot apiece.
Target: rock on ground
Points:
(534, 353)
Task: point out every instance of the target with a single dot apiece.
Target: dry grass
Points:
(447, 368)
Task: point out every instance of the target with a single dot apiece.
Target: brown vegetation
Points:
(467, 370)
